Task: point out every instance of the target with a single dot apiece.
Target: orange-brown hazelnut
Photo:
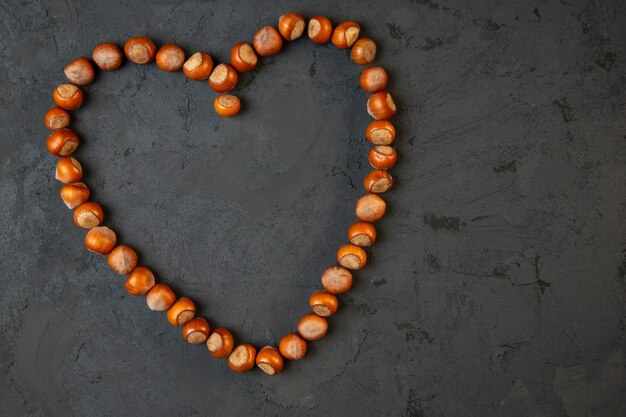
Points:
(181, 312)
(170, 57)
(227, 105)
(68, 170)
(312, 327)
(267, 41)
(323, 303)
(196, 331)
(381, 106)
(337, 279)
(79, 71)
(378, 181)
(292, 346)
(380, 132)
(73, 195)
(346, 34)
(223, 78)
(100, 240)
(382, 157)
(88, 215)
(242, 358)
(373, 79)
(363, 51)
(269, 360)
(62, 142)
(351, 256)
(362, 234)
(57, 118)
(198, 66)
(220, 343)
(68, 96)
(243, 57)
(160, 297)
(291, 26)
(140, 50)
(107, 56)
(370, 208)
(140, 281)
(320, 29)
(122, 259)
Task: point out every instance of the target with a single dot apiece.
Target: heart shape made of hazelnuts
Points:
(268, 41)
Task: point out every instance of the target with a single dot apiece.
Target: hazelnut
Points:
(381, 106)
(220, 343)
(79, 71)
(88, 215)
(243, 57)
(68, 170)
(181, 312)
(320, 29)
(323, 303)
(269, 360)
(346, 34)
(57, 118)
(196, 331)
(382, 157)
(267, 41)
(370, 208)
(351, 256)
(380, 132)
(73, 195)
(378, 181)
(373, 79)
(160, 297)
(363, 52)
(291, 26)
(337, 279)
(223, 78)
(107, 56)
(140, 50)
(62, 142)
(242, 358)
(170, 58)
(198, 66)
(140, 281)
(312, 327)
(362, 234)
(292, 347)
(68, 96)
(100, 240)
(122, 259)
(227, 105)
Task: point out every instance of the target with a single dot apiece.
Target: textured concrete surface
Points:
(498, 287)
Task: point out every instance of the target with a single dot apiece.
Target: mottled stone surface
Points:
(498, 286)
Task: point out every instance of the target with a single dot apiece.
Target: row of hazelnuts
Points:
(223, 77)
(381, 133)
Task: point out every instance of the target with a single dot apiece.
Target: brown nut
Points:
(362, 234)
(73, 195)
(88, 215)
(196, 331)
(292, 347)
(312, 327)
(242, 358)
(107, 56)
(62, 142)
(363, 52)
(269, 360)
(140, 50)
(140, 281)
(170, 57)
(57, 118)
(320, 29)
(68, 96)
(380, 132)
(267, 41)
(291, 26)
(351, 256)
(337, 279)
(370, 208)
(220, 343)
(323, 303)
(382, 157)
(227, 105)
(160, 297)
(373, 79)
(198, 66)
(378, 181)
(381, 106)
(223, 78)
(100, 240)
(243, 57)
(79, 71)
(181, 312)
(122, 259)
(346, 34)
(68, 170)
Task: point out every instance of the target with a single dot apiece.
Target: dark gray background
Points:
(497, 288)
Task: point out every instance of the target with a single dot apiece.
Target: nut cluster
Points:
(222, 78)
